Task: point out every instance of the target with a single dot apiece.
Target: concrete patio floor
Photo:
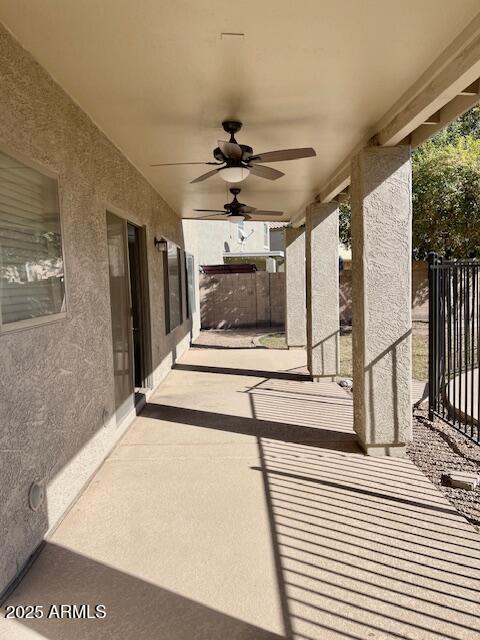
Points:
(238, 507)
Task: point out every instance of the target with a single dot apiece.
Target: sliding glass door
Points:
(120, 305)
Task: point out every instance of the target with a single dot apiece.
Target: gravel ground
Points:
(437, 449)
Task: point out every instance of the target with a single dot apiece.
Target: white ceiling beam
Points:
(448, 114)
(471, 90)
(433, 119)
(448, 88)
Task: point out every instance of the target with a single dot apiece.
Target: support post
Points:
(323, 318)
(381, 202)
(295, 297)
(432, 328)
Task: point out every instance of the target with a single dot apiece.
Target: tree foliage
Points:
(446, 192)
(344, 217)
(446, 198)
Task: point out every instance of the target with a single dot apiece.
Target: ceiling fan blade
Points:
(283, 154)
(265, 172)
(247, 209)
(210, 210)
(212, 215)
(176, 164)
(259, 212)
(230, 150)
(204, 176)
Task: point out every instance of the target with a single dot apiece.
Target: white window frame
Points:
(29, 323)
(180, 285)
(240, 227)
(266, 235)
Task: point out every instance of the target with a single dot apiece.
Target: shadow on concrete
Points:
(318, 404)
(362, 547)
(278, 375)
(223, 347)
(317, 437)
(356, 562)
(359, 490)
(135, 609)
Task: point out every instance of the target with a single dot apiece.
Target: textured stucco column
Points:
(295, 296)
(381, 282)
(323, 321)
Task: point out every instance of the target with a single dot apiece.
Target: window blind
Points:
(31, 260)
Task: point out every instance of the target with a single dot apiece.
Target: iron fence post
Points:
(454, 343)
(432, 303)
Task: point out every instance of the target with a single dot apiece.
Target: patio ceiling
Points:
(158, 78)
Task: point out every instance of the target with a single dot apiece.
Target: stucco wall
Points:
(208, 237)
(56, 380)
(213, 238)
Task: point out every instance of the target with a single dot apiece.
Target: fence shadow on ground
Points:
(363, 549)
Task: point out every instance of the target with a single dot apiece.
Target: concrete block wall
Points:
(246, 300)
(419, 294)
(277, 299)
(242, 300)
(419, 291)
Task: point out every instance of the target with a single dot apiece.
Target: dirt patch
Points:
(228, 339)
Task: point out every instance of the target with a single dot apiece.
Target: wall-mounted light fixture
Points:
(160, 245)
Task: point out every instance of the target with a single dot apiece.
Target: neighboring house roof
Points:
(278, 225)
(253, 254)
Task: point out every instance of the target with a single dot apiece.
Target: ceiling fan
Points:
(236, 161)
(235, 211)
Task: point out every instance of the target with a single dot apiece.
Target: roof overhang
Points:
(159, 78)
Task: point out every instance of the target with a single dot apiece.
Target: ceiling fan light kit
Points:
(235, 211)
(234, 174)
(235, 161)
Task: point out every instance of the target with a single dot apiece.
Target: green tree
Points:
(446, 192)
(446, 198)
(344, 219)
(466, 125)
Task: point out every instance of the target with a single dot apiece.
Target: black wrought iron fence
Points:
(454, 339)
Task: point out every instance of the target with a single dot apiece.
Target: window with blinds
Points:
(31, 260)
(190, 283)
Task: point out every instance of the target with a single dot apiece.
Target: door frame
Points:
(123, 409)
(128, 218)
(144, 290)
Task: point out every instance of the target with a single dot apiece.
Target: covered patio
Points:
(238, 505)
(251, 498)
